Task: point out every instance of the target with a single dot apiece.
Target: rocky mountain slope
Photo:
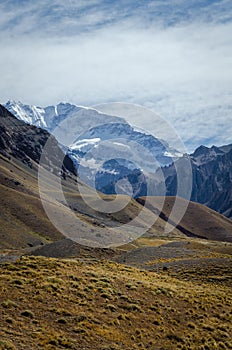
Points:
(98, 143)
(212, 178)
(26, 142)
(91, 128)
(212, 170)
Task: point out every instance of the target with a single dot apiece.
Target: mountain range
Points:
(93, 139)
(86, 283)
(24, 223)
(97, 138)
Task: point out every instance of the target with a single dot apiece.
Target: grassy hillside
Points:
(197, 221)
(23, 219)
(97, 304)
(23, 222)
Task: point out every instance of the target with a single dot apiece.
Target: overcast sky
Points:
(173, 56)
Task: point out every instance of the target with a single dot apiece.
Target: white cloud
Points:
(182, 71)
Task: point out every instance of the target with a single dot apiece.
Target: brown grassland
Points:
(98, 304)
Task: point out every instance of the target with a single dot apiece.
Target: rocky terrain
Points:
(26, 142)
(212, 178)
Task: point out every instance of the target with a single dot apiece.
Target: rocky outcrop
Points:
(212, 178)
(26, 142)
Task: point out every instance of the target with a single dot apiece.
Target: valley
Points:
(167, 289)
(116, 175)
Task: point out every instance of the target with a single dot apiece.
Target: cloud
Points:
(178, 64)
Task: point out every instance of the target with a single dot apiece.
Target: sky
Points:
(172, 56)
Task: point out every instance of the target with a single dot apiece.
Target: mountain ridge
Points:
(211, 166)
(212, 178)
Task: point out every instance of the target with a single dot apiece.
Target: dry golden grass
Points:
(96, 304)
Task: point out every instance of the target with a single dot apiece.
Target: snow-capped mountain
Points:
(51, 117)
(113, 156)
(102, 144)
(126, 142)
(88, 128)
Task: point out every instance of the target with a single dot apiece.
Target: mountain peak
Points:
(205, 154)
(201, 150)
